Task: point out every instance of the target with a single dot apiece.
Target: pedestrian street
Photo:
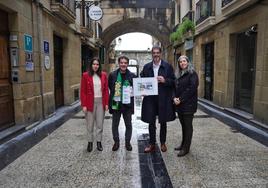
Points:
(219, 157)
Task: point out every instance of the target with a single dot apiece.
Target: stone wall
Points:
(224, 37)
(36, 88)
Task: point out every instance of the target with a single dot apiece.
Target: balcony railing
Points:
(204, 10)
(225, 2)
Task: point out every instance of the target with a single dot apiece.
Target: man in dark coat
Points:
(160, 105)
(120, 82)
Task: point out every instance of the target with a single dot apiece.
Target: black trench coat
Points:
(165, 109)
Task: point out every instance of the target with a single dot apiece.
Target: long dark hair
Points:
(90, 70)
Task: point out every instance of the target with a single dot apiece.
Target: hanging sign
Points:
(95, 13)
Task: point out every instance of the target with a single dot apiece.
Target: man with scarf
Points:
(121, 102)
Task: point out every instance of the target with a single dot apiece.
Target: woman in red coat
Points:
(94, 96)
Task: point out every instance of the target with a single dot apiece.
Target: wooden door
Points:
(209, 71)
(245, 71)
(58, 71)
(6, 95)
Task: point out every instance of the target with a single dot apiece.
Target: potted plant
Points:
(187, 26)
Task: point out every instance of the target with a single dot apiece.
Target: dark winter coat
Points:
(165, 109)
(186, 90)
(111, 83)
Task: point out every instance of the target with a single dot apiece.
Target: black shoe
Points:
(115, 146)
(99, 146)
(128, 146)
(89, 146)
(182, 153)
(177, 148)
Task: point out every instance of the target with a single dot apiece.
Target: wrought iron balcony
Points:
(65, 9)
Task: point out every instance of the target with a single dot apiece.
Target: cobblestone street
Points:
(219, 157)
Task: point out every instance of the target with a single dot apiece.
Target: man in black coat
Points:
(120, 101)
(160, 105)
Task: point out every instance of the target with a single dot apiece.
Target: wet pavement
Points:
(219, 157)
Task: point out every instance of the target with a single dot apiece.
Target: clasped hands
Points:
(176, 101)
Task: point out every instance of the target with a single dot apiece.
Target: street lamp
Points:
(119, 40)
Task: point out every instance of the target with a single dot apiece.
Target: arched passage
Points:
(150, 27)
(142, 25)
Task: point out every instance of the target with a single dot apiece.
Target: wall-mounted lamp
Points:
(251, 30)
(160, 26)
(119, 40)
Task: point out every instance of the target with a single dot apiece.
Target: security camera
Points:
(253, 28)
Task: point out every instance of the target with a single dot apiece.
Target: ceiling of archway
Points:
(150, 27)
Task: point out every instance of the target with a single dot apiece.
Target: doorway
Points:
(58, 71)
(6, 91)
(86, 55)
(245, 71)
(209, 70)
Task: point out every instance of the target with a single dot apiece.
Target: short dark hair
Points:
(157, 47)
(123, 57)
(90, 70)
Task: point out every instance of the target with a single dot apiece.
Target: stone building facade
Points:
(230, 54)
(41, 47)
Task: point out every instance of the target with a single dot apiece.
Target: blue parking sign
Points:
(28, 43)
(46, 47)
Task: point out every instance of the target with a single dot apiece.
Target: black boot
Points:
(99, 146)
(182, 153)
(128, 146)
(177, 148)
(115, 146)
(89, 146)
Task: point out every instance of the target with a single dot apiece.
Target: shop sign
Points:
(95, 13)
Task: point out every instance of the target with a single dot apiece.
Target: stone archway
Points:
(150, 27)
(142, 25)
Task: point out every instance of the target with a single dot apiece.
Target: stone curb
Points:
(245, 128)
(12, 149)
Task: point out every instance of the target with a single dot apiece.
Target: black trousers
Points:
(152, 126)
(163, 133)
(187, 130)
(115, 123)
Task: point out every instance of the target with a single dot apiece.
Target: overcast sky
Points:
(134, 41)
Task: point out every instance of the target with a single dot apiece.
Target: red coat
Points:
(87, 91)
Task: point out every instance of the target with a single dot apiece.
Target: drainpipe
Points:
(40, 37)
